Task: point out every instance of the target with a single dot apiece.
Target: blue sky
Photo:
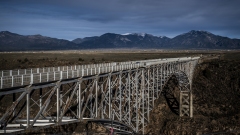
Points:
(70, 19)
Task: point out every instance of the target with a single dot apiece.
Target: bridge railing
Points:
(67, 72)
(52, 69)
(34, 78)
(63, 68)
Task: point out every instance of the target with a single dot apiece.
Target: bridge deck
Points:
(22, 77)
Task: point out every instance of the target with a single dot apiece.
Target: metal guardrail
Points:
(50, 69)
(60, 68)
(27, 79)
(65, 68)
(37, 75)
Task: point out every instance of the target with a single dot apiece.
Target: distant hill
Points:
(204, 39)
(14, 42)
(190, 40)
(80, 40)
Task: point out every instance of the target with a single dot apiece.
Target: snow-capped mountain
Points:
(203, 39)
(192, 39)
(136, 40)
(137, 34)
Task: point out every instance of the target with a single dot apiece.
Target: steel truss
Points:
(126, 96)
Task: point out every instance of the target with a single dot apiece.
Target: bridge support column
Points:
(191, 105)
(157, 87)
(96, 98)
(153, 86)
(184, 105)
(61, 100)
(14, 99)
(109, 97)
(136, 100)
(28, 112)
(129, 97)
(58, 103)
(40, 100)
(191, 101)
(79, 101)
(180, 104)
(120, 91)
(143, 100)
(148, 81)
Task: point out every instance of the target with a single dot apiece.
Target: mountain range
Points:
(190, 40)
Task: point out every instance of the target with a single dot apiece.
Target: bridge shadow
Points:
(171, 94)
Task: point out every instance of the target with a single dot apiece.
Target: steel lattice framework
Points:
(123, 92)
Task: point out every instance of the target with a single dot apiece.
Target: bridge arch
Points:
(180, 105)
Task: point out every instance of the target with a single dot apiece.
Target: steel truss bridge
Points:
(123, 92)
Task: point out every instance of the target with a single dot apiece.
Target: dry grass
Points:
(21, 60)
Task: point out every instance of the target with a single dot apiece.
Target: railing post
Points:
(40, 77)
(12, 81)
(78, 73)
(67, 72)
(31, 79)
(1, 82)
(22, 79)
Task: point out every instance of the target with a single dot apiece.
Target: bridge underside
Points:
(124, 96)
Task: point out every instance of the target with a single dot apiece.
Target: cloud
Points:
(157, 17)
